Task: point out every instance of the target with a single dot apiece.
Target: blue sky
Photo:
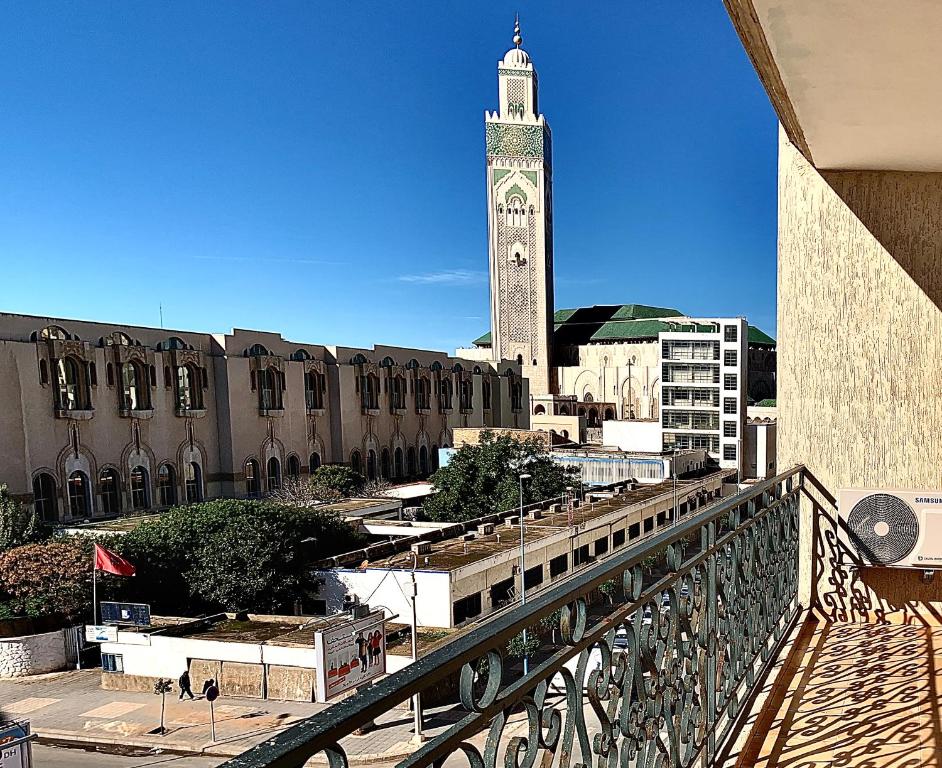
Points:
(317, 168)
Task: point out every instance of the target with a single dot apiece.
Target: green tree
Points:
(338, 478)
(482, 479)
(52, 578)
(230, 554)
(19, 524)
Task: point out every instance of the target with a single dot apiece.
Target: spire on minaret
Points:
(517, 38)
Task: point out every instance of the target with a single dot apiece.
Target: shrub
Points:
(47, 579)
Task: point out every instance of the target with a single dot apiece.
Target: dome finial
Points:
(517, 38)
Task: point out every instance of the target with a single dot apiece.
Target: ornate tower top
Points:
(516, 56)
(517, 38)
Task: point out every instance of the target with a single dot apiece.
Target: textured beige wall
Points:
(859, 353)
(860, 326)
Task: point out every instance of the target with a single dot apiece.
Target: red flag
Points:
(106, 560)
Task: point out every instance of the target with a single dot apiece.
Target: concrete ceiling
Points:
(863, 77)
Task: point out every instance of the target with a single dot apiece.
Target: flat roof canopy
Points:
(854, 83)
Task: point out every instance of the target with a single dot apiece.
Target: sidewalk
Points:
(71, 707)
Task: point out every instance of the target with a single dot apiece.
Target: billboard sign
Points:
(134, 614)
(14, 745)
(101, 633)
(349, 655)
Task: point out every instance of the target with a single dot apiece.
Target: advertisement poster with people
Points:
(350, 655)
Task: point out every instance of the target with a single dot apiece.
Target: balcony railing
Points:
(683, 647)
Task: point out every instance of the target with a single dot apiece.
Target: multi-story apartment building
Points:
(703, 388)
(100, 419)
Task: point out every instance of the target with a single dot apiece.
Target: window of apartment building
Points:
(423, 461)
(729, 357)
(466, 608)
(314, 462)
(533, 577)
(384, 464)
(398, 469)
(270, 387)
(166, 486)
(193, 480)
(729, 452)
(398, 399)
(729, 405)
(109, 488)
(648, 524)
(634, 531)
(410, 462)
(729, 429)
(559, 565)
(79, 505)
(501, 592)
(140, 483)
(445, 394)
(618, 538)
(729, 382)
(112, 662)
(72, 388)
(465, 395)
(730, 332)
(601, 546)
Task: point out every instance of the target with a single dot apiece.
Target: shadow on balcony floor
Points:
(861, 695)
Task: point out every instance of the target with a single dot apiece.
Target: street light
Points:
(523, 586)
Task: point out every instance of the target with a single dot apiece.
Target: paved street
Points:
(45, 756)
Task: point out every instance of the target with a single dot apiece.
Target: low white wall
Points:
(32, 654)
(640, 436)
(159, 656)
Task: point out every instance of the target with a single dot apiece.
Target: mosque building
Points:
(694, 376)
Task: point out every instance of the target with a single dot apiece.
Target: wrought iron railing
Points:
(682, 645)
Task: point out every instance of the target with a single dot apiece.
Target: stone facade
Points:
(99, 420)
(32, 654)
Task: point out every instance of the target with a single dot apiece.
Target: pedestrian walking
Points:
(184, 683)
(207, 684)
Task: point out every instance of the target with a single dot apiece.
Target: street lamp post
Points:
(523, 586)
(416, 699)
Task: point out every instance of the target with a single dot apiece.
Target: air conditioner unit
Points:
(896, 528)
(421, 548)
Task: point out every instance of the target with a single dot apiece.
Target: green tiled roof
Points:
(642, 312)
(483, 341)
(629, 329)
(758, 337)
(767, 403)
(562, 315)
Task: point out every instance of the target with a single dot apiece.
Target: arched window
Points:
(166, 486)
(609, 414)
(356, 462)
(410, 461)
(274, 474)
(519, 359)
(465, 395)
(486, 393)
(135, 392)
(423, 394)
(314, 463)
(189, 391)
(193, 480)
(387, 362)
(371, 464)
(423, 460)
(516, 396)
(252, 488)
(397, 463)
(516, 212)
(139, 488)
(593, 417)
(72, 387)
(54, 332)
(79, 505)
(314, 389)
(564, 410)
(581, 411)
(399, 392)
(445, 394)
(46, 497)
(109, 489)
(293, 467)
(589, 398)
(434, 457)
(539, 410)
(369, 391)
(384, 464)
(271, 383)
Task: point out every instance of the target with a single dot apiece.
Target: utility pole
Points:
(416, 699)
(523, 586)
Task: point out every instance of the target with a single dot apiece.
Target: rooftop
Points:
(624, 322)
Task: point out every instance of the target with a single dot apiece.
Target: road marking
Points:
(113, 709)
(24, 706)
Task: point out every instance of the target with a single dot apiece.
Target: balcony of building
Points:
(744, 635)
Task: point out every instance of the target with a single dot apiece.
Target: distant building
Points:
(601, 362)
(99, 420)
